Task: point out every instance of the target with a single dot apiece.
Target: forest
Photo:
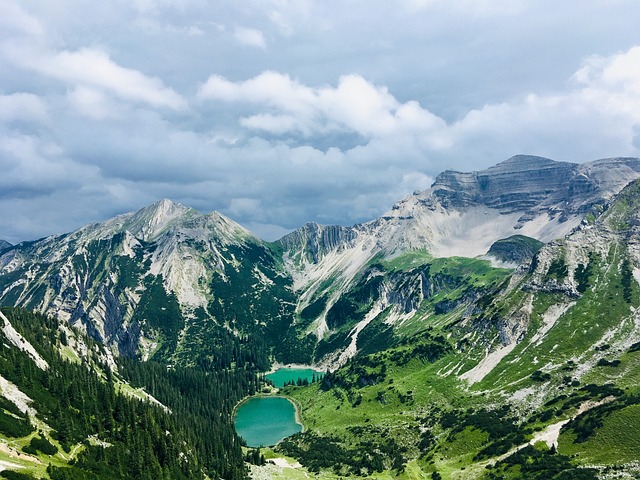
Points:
(188, 436)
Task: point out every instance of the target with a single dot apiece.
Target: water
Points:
(282, 375)
(264, 421)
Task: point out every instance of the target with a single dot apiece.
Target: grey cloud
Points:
(344, 108)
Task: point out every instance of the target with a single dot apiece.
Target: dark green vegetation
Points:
(539, 464)
(515, 249)
(250, 308)
(113, 434)
(573, 347)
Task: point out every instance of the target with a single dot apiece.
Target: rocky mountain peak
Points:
(519, 163)
(316, 240)
(518, 183)
(4, 245)
(149, 222)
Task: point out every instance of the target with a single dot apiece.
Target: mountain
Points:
(534, 378)
(165, 282)
(170, 283)
(484, 328)
(4, 245)
(462, 214)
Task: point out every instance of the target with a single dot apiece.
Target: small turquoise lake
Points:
(264, 421)
(283, 375)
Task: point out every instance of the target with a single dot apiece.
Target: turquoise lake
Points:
(282, 375)
(264, 421)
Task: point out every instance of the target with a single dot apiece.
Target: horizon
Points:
(138, 209)
(279, 113)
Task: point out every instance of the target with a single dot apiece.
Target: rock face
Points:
(465, 213)
(462, 214)
(516, 249)
(317, 240)
(515, 185)
(163, 280)
(141, 281)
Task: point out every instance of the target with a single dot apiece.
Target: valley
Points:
(488, 327)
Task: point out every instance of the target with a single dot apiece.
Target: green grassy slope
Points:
(572, 327)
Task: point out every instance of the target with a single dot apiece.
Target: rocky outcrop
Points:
(517, 184)
(531, 184)
(317, 240)
(516, 249)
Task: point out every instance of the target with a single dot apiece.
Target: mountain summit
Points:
(148, 282)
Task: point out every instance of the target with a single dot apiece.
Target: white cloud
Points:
(320, 111)
(250, 37)
(14, 18)
(354, 103)
(22, 107)
(94, 68)
(92, 103)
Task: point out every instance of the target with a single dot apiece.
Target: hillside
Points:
(164, 283)
(69, 410)
(549, 359)
(462, 214)
(487, 327)
(178, 286)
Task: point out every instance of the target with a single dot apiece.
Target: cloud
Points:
(94, 68)
(14, 18)
(91, 102)
(355, 104)
(307, 110)
(34, 168)
(23, 107)
(250, 37)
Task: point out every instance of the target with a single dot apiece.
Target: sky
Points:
(280, 112)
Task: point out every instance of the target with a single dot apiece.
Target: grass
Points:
(407, 261)
(616, 442)
(600, 313)
(35, 465)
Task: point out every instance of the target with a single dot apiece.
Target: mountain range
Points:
(147, 283)
(512, 287)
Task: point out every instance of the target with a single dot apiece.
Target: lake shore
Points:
(296, 409)
(298, 414)
(298, 366)
(296, 406)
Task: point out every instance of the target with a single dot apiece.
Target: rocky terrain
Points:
(487, 327)
(121, 279)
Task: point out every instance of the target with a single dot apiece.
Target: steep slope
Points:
(462, 214)
(68, 411)
(170, 283)
(514, 250)
(4, 245)
(537, 378)
(164, 282)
